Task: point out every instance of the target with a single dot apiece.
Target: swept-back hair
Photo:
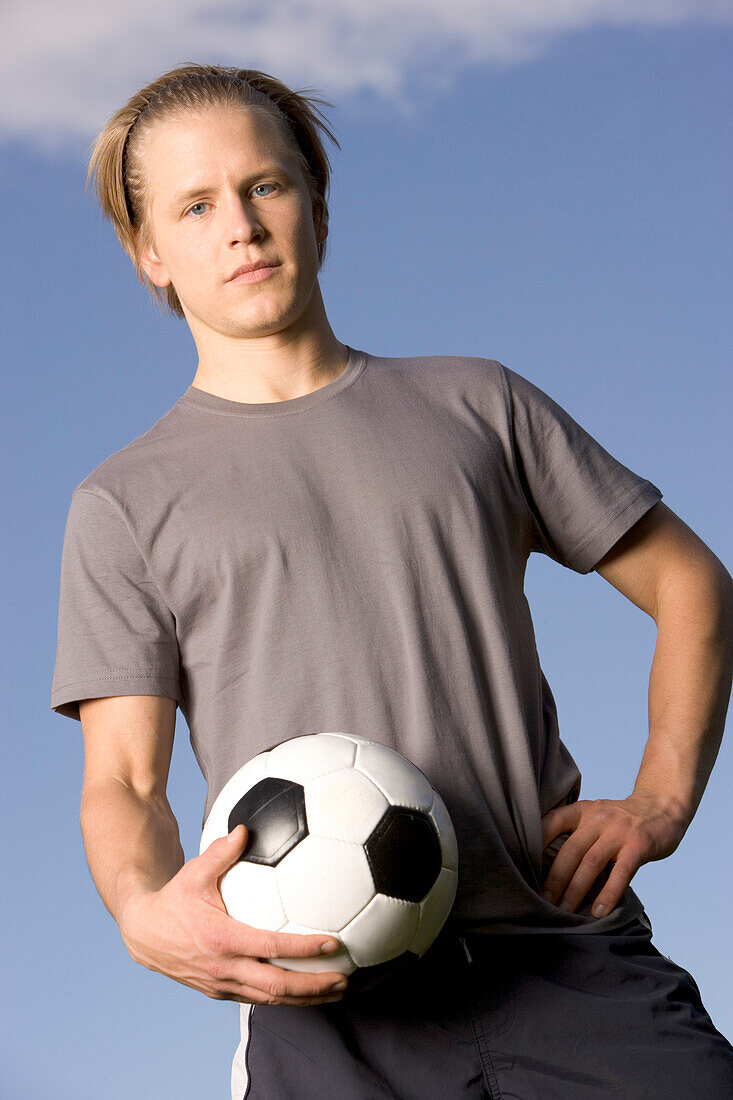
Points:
(117, 164)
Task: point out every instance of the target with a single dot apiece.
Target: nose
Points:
(243, 224)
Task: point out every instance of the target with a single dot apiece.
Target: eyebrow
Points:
(192, 192)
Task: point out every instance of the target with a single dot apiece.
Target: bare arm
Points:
(130, 833)
(666, 570)
(170, 913)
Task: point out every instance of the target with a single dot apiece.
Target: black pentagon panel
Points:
(404, 854)
(274, 813)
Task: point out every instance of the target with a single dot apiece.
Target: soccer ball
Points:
(347, 837)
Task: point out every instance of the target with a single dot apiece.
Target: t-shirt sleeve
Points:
(581, 499)
(116, 636)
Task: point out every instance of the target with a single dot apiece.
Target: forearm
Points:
(132, 842)
(689, 688)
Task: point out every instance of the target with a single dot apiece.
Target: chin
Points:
(274, 317)
(253, 326)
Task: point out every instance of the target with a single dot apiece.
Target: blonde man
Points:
(317, 538)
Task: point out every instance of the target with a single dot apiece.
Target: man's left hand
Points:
(626, 833)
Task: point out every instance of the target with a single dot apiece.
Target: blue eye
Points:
(192, 208)
(264, 185)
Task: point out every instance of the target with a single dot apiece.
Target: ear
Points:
(153, 266)
(321, 225)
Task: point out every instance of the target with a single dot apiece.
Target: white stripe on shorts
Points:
(240, 1072)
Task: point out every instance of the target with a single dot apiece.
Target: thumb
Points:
(226, 850)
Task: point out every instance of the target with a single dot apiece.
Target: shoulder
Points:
(134, 468)
(440, 366)
(468, 376)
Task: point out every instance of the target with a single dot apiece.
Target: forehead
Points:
(180, 149)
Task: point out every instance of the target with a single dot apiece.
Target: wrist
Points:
(668, 804)
(131, 896)
(131, 921)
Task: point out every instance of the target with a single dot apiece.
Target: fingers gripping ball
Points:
(346, 837)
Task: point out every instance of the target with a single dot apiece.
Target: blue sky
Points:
(544, 188)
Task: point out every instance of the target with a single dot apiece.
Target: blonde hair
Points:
(117, 164)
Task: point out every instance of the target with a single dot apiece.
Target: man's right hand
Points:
(184, 931)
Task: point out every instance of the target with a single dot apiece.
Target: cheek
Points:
(196, 264)
(307, 242)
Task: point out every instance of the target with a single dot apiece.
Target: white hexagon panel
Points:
(446, 832)
(250, 894)
(434, 910)
(343, 805)
(304, 758)
(383, 930)
(324, 883)
(398, 778)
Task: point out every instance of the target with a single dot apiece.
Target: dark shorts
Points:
(531, 1017)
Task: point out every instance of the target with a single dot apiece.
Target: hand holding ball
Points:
(346, 837)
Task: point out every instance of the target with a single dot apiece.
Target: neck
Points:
(275, 367)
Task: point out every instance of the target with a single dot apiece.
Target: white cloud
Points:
(65, 67)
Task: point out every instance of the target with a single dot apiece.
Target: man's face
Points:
(225, 191)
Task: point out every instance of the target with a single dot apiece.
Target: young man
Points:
(315, 538)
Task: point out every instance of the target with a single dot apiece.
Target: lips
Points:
(246, 268)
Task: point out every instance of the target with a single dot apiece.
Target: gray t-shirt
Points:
(353, 560)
